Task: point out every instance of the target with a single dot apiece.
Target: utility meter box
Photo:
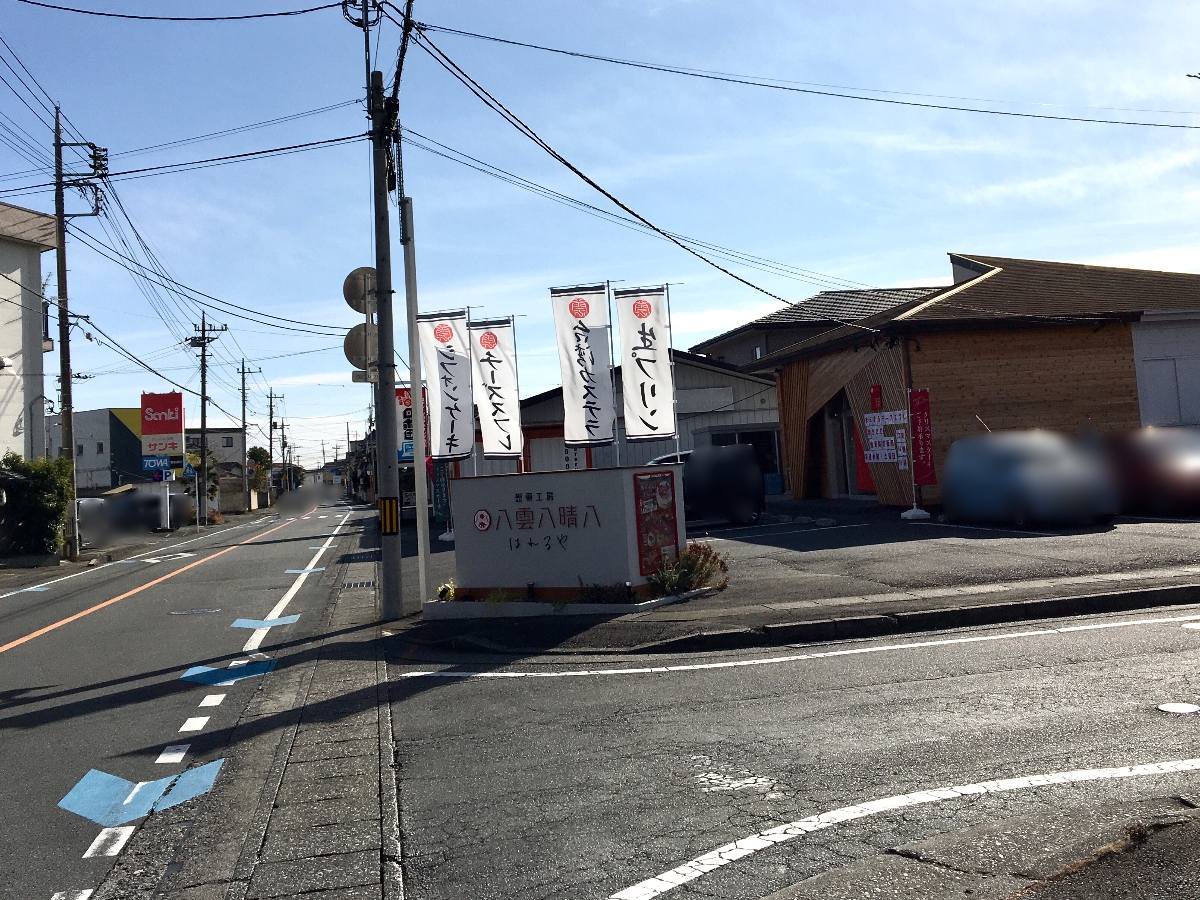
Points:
(544, 534)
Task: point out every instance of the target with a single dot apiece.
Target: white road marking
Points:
(260, 634)
(714, 859)
(1179, 709)
(173, 754)
(1192, 625)
(196, 723)
(137, 787)
(797, 657)
(110, 841)
(212, 700)
(72, 895)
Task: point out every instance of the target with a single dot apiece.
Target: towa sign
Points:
(162, 424)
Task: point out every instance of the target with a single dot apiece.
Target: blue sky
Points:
(861, 192)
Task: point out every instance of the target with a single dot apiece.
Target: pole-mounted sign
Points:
(585, 362)
(647, 382)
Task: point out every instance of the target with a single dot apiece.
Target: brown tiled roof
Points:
(1013, 291)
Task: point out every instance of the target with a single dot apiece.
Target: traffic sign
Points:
(189, 471)
(362, 345)
(359, 289)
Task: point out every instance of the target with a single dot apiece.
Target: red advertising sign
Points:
(922, 437)
(657, 526)
(162, 413)
(876, 397)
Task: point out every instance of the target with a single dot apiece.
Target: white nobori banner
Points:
(647, 383)
(447, 359)
(581, 322)
(494, 368)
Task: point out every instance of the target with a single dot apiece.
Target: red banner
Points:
(922, 437)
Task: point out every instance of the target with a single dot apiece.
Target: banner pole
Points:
(612, 370)
(916, 512)
(671, 357)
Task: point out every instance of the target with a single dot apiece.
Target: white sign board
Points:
(446, 356)
(494, 368)
(558, 529)
(647, 382)
(585, 362)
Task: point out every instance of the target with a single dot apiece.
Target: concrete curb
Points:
(822, 630)
(442, 610)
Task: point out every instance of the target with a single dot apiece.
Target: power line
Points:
(792, 88)
(112, 15)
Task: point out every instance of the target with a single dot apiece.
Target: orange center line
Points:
(137, 590)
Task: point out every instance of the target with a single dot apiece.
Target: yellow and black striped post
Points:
(389, 515)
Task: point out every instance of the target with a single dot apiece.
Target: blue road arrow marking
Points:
(214, 677)
(264, 623)
(302, 571)
(109, 801)
(33, 590)
(192, 783)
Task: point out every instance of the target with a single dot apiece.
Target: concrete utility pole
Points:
(205, 337)
(271, 398)
(245, 438)
(64, 338)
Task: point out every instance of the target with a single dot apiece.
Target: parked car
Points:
(1023, 477)
(721, 481)
(1158, 470)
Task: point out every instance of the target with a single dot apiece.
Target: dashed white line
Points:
(196, 723)
(715, 859)
(464, 675)
(212, 700)
(110, 841)
(173, 754)
(72, 895)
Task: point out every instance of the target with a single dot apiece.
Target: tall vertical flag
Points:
(494, 369)
(446, 355)
(922, 437)
(581, 322)
(647, 382)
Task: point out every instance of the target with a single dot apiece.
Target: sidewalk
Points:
(826, 570)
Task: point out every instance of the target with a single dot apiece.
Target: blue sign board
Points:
(405, 454)
(189, 471)
(155, 463)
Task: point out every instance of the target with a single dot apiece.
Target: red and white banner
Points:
(922, 438)
(494, 368)
(446, 356)
(647, 382)
(162, 424)
(584, 359)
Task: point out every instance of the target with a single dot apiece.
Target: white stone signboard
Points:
(556, 530)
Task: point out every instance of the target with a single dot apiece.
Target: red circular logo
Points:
(488, 341)
(483, 520)
(579, 307)
(641, 308)
(443, 333)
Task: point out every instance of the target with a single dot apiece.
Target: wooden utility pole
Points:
(201, 340)
(64, 338)
(245, 439)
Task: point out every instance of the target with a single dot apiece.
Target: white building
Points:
(24, 236)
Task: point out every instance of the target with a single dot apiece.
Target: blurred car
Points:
(723, 481)
(1158, 470)
(1024, 477)
(135, 512)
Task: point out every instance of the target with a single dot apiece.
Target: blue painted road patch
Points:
(302, 571)
(213, 677)
(264, 623)
(110, 801)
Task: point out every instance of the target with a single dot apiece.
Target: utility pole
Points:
(206, 335)
(271, 398)
(245, 438)
(323, 453)
(383, 128)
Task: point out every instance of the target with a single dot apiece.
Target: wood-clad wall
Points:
(885, 368)
(791, 387)
(1055, 378)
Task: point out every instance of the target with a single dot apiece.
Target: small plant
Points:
(446, 591)
(603, 593)
(500, 595)
(698, 566)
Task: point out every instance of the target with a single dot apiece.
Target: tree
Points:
(36, 506)
(212, 475)
(260, 461)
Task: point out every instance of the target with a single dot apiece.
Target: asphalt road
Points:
(103, 690)
(619, 776)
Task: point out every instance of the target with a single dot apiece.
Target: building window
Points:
(226, 442)
(758, 352)
(79, 449)
(99, 447)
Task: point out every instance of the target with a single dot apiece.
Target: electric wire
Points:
(142, 18)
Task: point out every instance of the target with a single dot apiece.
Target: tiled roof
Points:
(842, 306)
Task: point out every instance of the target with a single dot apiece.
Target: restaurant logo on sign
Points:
(579, 308)
(488, 341)
(162, 425)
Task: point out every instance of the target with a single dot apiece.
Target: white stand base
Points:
(916, 513)
(449, 535)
